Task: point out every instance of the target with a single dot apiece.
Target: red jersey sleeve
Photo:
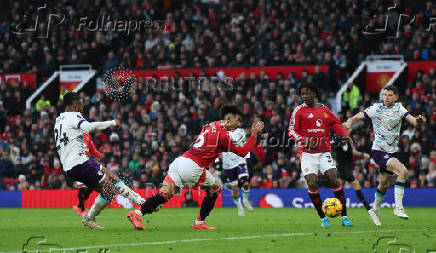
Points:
(335, 124)
(294, 125)
(90, 145)
(227, 144)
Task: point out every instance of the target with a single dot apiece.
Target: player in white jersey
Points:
(69, 129)
(386, 121)
(236, 172)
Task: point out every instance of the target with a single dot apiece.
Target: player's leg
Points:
(245, 186)
(107, 193)
(83, 195)
(122, 188)
(237, 198)
(358, 190)
(395, 166)
(309, 168)
(346, 175)
(213, 189)
(80, 207)
(154, 203)
(90, 173)
(172, 185)
(383, 184)
(232, 178)
(328, 168)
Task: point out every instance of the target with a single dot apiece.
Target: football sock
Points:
(362, 199)
(237, 202)
(152, 204)
(81, 195)
(316, 200)
(207, 205)
(339, 194)
(379, 196)
(128, 193)
(245, 194)
(399, 193)
(99, 204)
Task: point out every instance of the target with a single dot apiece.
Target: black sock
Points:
(316, 200)
(207, 205)
(362, 199)
(339, 194)
(82, 195)
(151, 204)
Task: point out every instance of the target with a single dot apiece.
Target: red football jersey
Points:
(314, 122)
(213, 140)
(90, 147)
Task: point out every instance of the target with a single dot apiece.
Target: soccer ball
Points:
(332, 207)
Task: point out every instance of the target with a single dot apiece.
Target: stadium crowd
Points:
(159, 125)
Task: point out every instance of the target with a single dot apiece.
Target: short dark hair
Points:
(310, 86)
(393, 88)
(70, 97)
(233, 109)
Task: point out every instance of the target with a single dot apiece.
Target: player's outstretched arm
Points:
(416, 121)
(353, 120)
(242, 151)
(97, 126)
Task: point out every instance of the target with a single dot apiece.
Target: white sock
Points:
(398, 194)
(237, 202)
(99, 204)
(138, 212)
(245, 194)
(128, 193)
(198, 222)
(378, 200)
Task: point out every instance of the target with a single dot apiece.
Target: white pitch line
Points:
(106, 246)
(78, 217)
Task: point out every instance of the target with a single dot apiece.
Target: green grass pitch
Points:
(264, 230)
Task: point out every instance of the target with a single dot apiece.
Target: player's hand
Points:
(118, 123)
(421, 119)
(257, 128)
(346, 126)
(366, 156)
(348, 138)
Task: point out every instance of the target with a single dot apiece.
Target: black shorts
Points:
(88, 173)
(346, 172)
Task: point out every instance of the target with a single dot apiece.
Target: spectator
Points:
(42, 104)
(351, 96)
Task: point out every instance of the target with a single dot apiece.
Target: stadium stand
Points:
(159, 126)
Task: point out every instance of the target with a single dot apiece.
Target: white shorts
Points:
(185, 172)
(312, 163)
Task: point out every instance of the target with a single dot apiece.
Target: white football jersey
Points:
(386, 123)
(69, 139)
(230, 159)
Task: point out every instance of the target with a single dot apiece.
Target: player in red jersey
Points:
(310, 126)
(84, 191)
(191, 167)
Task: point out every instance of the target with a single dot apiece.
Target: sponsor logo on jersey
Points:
(315, 130)
(318, 122)
(310, 116)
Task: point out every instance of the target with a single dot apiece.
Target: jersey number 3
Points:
(200, 140)
(64, 140)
